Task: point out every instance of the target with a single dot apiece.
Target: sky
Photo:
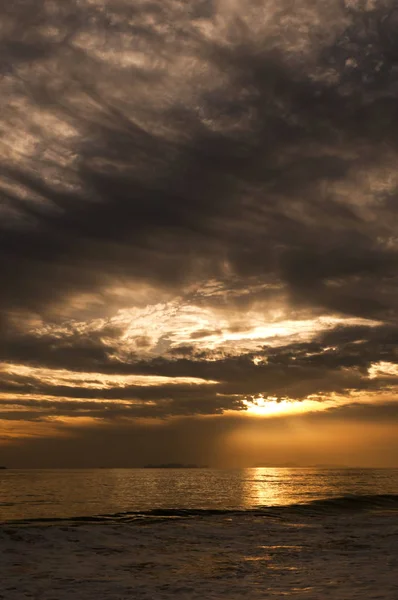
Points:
(198, 232)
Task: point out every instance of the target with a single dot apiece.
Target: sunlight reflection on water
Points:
(66, 493)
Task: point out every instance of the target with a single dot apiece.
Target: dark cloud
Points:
(188, 405)
(181, 147)
(171, 188)
(358, 412)
(336, 362)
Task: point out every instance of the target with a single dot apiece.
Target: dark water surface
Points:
(37, 494)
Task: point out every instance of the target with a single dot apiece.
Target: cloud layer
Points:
(197, 190)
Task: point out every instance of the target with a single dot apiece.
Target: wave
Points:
(338, 504)
(353, 502)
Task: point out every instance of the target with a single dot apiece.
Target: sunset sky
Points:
(198, 232)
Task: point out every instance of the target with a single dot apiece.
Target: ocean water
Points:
(52, 494)
(157, 534)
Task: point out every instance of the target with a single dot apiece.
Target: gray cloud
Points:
(217, 148)
(127, 205)
(337, 361)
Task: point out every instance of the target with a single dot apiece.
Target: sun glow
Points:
(273, 407)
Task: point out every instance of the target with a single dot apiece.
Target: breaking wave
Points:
(350, 502)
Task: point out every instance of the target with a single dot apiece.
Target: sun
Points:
(272, 406)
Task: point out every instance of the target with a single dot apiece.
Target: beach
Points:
(337, 551)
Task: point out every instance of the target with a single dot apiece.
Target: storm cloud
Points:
(197, 190)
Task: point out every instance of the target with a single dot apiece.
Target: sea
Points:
(199, 534)
(70, 493)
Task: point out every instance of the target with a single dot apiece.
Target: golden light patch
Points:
(383, 369)
(157, 328)
(16, 431)
(96, 380)
(273, 407)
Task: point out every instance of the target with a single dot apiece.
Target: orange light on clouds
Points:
(273, 407)
(96, 380)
